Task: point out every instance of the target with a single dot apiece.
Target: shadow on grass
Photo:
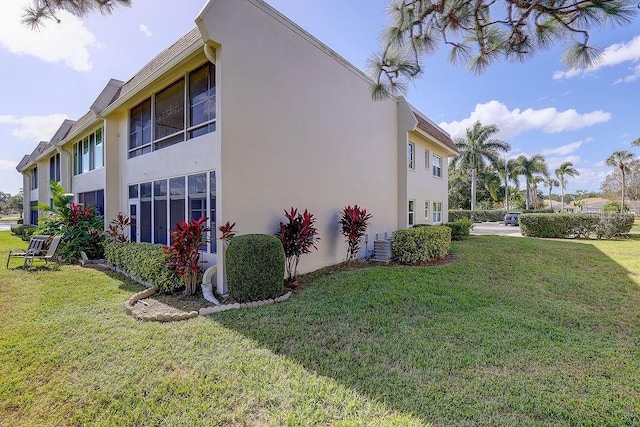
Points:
(513, 331)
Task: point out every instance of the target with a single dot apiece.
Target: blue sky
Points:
(57, 73)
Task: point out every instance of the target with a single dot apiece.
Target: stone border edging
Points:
(160, 317)
(225, 307)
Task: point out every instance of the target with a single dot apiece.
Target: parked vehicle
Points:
(511, 218)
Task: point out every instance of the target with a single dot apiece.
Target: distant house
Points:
(244, 116)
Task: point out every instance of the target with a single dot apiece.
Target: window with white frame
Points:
(88, 153)
(437, 165)
(183, 110)
(160, 204)
(426, 210)
(426, 159)
(411, 212)
(411, 155)
(437, 212)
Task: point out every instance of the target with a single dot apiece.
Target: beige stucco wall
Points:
(298, 128)
(422, 185)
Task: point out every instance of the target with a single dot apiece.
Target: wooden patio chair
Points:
(47, 256)
(36, 246)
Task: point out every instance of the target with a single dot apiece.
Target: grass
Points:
(514, 331)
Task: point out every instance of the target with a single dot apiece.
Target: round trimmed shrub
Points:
(255, 267)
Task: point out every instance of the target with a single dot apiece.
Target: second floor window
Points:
(54, 168)
(88, 153)
(183, 110)
(34, 178)
(437, 166)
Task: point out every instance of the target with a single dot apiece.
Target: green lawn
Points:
(514, 331)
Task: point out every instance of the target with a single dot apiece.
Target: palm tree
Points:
(635, 142)
(507, 171)
(620, 160)
(478, 148)
(564, 170)
(551, 182)
(529, 167)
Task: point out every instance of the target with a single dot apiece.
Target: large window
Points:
(183, 110)
(88, 153)
(54, 168)
(202, 100)
(411, 155)
(93, 198)
(34, 178)
(33, 218)
(437, 212)
(159, 205)
(437, 166)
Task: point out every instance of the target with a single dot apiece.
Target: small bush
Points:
(460, 229)
(255, 267)
(568, 225)
(490, 215)
(20, 221)
(145, 262)
(419, 245)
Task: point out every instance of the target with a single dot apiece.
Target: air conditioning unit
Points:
(382, 250)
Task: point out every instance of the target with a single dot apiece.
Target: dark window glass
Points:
(145, 212)
(160, 212)
(133, 217)
(85, 155)
(212, 211)
(92, 151)
(169, 114)
(202, 100)
(34, 213)
(76, 160)
(140, 129)
(100, 202)
(133, 191)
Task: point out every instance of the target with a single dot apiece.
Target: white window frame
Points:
(436, 162)
(411, 155)
(411, 214)
(426, 159)
(426, 210)
(437, 213)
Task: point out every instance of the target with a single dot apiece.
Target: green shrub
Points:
(144, 262)
(24, 231)
(460, 228)
(16, 229)
(489, 215)
(255, 267)
(20, 221)
(614, 225)
(456, 214)
(419, 245)
(567, 225)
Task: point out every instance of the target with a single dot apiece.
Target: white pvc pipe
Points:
(207, 286)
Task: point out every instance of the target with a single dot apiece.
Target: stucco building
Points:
(240, 125)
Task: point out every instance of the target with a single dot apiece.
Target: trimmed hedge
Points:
(145, 262)
(419, 245)
(460, 229)
(255, 267)
(489, 215)
(567, 225)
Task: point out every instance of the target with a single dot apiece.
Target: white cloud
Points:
(8, 165)
(39, 128)
(516, 121)
(564, 149)
(67, 42)
(631, 77)
(613, 55)
(145, 30)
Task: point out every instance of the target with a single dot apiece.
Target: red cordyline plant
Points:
(353, 222)
(226, 232)
(117, 226)
(298, 236)
(188, 238)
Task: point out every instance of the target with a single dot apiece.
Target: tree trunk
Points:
(550, 202)
(562, 199)
(527, 201)
(473, 188)
(623, 185)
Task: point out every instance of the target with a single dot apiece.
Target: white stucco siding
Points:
(298, 128)
(88, 181)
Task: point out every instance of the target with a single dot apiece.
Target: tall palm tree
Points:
(551, 182)
(620, 160)
(564, 170)
(477, 149)
(530, 167)
(635, 142)
(506, 171)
